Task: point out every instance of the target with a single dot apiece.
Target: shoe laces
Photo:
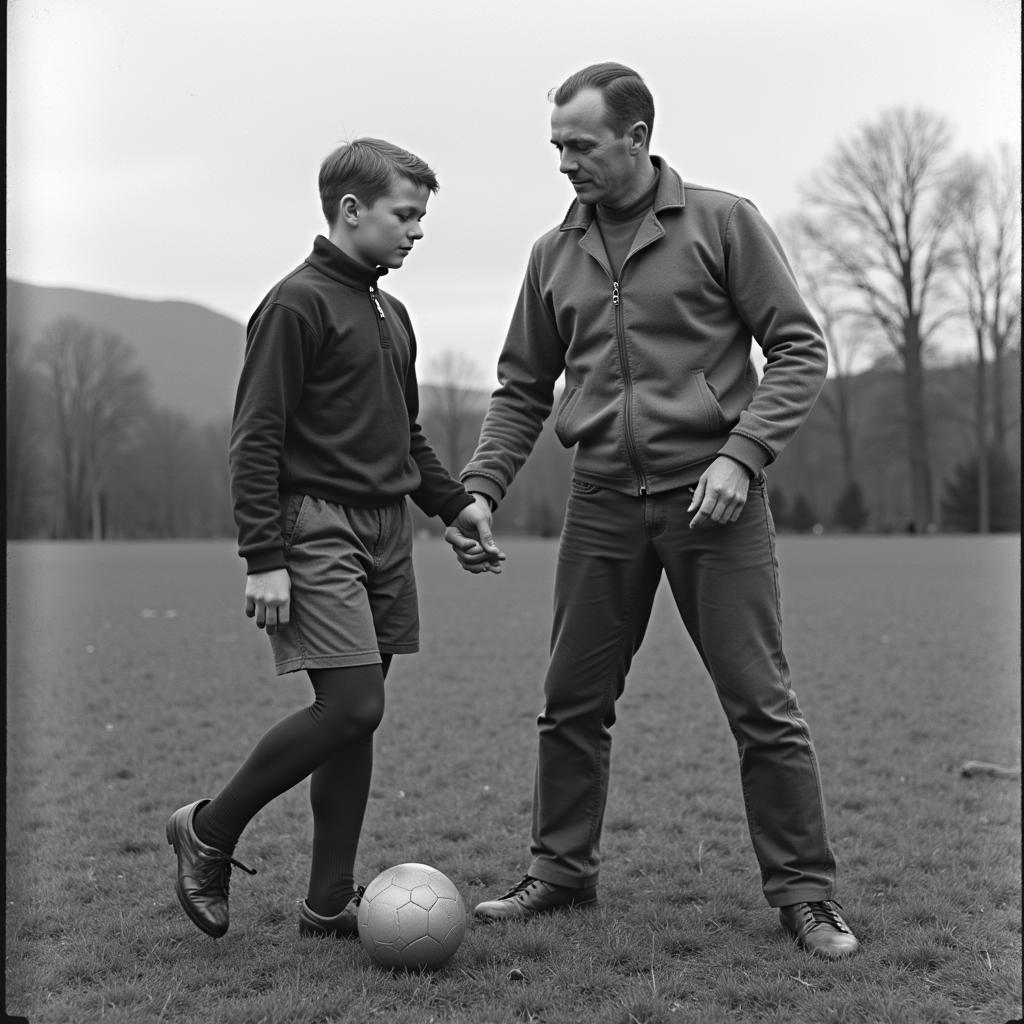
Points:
(823, 912)
(218, 873)
(521, 887)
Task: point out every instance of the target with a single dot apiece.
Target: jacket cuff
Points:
(451, 509)
(486, 486)
(747, 452)
(264, 561)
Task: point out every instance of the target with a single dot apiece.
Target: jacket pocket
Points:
(701, 394)
(563, 429)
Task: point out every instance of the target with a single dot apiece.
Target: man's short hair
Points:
(626, 96)
(368, 168)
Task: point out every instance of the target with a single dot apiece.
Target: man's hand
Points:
(470, 537)
(268, 597)
(720, 494)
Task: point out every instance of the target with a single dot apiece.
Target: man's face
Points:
(388, 228)
(596, 161)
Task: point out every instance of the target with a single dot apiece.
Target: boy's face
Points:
(387, 230)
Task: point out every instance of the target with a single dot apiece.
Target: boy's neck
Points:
(339, 237)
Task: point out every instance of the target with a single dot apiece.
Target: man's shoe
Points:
(203, 873)
(818, 928)
(344, 924)
(532, 896)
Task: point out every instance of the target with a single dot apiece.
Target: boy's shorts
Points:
(353, 592)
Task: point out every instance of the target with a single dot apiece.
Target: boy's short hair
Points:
(626, 96)
(367, 168)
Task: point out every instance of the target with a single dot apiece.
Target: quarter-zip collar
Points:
(670, 194)
(339, 266)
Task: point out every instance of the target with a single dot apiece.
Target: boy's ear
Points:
(348, 209)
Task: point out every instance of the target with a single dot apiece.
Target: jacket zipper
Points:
(382, 324)
(620, 338)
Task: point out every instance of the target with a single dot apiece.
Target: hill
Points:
(191, 354)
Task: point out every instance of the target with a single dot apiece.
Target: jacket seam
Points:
(728, 222)
(751, 437)
(279, 304)
(466, 474)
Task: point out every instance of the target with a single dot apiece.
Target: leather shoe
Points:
(533, 896)
(343, 925)
(818, 928)
(203, 873)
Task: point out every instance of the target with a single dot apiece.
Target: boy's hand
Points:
(720, 494)
(470, 537)
(268, 597)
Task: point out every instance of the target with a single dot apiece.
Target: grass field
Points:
(135, 684)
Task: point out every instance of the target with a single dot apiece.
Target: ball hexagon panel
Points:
(411, 916)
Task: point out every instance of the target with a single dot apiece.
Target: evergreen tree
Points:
(850, 512)
(960, 501)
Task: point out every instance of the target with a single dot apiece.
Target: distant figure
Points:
(646, 296)
(325, 448)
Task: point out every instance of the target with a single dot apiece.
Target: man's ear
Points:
(348, 209)
(638, 133)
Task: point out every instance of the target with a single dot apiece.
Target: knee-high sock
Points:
(348, 707)
(338, 791)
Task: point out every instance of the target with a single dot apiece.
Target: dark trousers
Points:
(724, 579)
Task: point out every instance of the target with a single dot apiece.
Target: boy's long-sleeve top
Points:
(656, 359)
(328, 405)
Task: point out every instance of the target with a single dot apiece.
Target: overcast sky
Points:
(170, 150)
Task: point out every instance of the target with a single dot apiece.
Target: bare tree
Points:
(883, 222)
(845, 336)
(23, 448)
(97, 394)
(454, 406)
(988, 237)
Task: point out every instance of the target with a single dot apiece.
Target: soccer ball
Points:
(411, 916)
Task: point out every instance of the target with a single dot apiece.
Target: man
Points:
(325, 449)
(647, 296)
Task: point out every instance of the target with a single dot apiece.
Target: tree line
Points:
(89, 455)
(900, 244)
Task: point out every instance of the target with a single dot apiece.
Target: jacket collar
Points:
(338, 265)
(670, 194)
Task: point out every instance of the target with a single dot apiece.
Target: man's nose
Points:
(567, 164)
(416, 231)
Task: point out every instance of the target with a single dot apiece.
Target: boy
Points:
(325, 448)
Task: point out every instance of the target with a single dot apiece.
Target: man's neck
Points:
(642, 183)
